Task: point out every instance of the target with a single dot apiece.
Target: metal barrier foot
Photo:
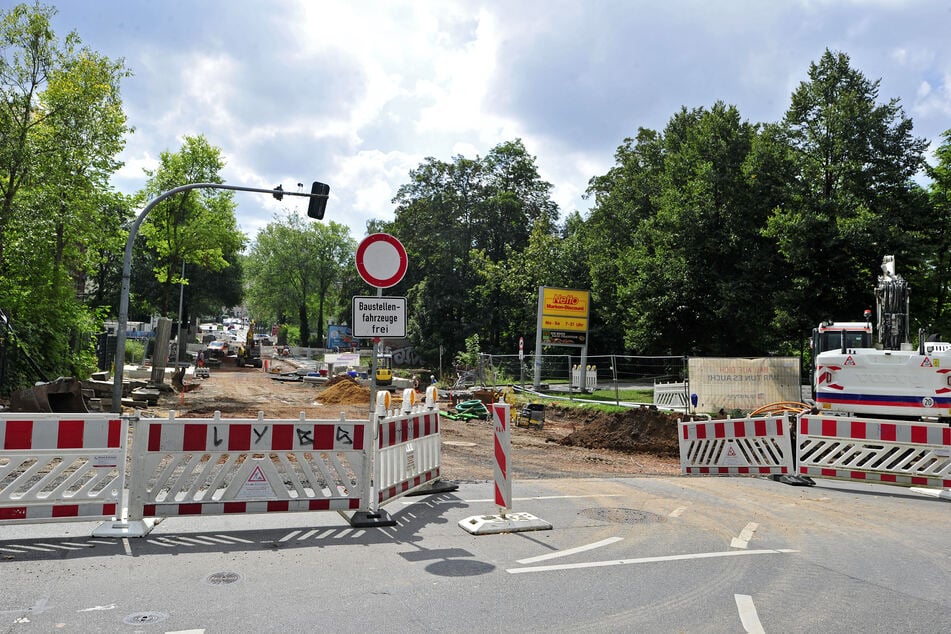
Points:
(439, 486)
(134, 528)
(371, 519)
(794, 480)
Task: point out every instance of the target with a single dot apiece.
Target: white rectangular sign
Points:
(379, 316)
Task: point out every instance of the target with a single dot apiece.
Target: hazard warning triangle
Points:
(256, 486)
(731, 457)
(926, 363)
(849, 360)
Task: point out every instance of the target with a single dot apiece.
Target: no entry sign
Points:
(381, 260)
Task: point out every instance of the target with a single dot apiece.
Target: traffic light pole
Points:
(318, 195)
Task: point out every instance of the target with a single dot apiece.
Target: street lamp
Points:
(319, 190)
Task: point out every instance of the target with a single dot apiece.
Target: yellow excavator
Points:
(384, 369)
(250, 352)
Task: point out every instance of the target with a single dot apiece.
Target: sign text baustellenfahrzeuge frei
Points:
(379, 316)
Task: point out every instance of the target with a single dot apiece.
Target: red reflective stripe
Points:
(719, 430)
(319, 505)
(155, 437)
(857, 475)
(358, 438)
(66, 510)
(194, 437)
(919, 434)
(701, 431)
(115, 434)
(759, 427)
(282, 438)
(108, 509)
(888, 477)
(70, 434)
(946, 436)
(858, 429)
(828, 427)
(324, 437)
(739, 429)
(239, 437)
(278, 505)
(235, 507)
(19, 435)
(889, 432)
(189, 509)
(12, 512)
(148, 510)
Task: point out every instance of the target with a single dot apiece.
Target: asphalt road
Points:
(624, 555)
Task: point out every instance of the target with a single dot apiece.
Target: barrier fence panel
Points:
(736, 446)
(219, 466)
(907, 453)
(61, 467)
(671, 395)
(408, 449)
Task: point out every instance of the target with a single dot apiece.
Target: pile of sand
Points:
(344, 391)
(636, 430)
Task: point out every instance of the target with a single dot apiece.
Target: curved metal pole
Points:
(127, 270)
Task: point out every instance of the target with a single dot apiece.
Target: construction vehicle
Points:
(384, 369)
(250, 352)
(890, 378)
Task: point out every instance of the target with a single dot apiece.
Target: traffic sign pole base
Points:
(129, 528)
(508, 523)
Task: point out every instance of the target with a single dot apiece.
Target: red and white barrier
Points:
(906, 453)
(223, 466)
(739, 446)
(61, 467)
(408, 446)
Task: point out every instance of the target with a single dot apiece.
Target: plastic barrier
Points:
(671, 395)
(736, 446)
(590, 377)
(61, 467)
(905, 453)
(408, 446)
(221, 466)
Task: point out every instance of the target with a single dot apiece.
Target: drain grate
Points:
(621, 516)
(144, 617)
(222, 578)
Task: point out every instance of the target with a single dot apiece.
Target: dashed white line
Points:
(570, 551)
(748, 616)
(547, 497)
(650, 560)
(745, 536)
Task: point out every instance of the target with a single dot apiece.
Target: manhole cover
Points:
(621, 516)
(144, 617)
(222, 578)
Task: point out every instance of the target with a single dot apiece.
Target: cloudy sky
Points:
(356, 94)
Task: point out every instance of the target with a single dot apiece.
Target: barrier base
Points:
(508, 523)
(134, 528)
(439, 486)
(794, 480)
(371, 519)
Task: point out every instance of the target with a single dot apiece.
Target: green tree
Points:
(456, 221)
(297, 267)
(937, 314)
(62, 126)
(850, 199)
(196, 228)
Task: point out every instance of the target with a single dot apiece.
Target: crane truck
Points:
(887, 378)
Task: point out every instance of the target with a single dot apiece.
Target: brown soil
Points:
(573, 442)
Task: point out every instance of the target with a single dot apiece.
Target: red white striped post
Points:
(503, 449)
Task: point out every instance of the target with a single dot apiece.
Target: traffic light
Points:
(277, 192)
(318, 203)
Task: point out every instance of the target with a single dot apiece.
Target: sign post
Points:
(381, 262)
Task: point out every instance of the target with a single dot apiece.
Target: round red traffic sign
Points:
(381, 260)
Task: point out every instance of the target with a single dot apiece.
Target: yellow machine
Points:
(384, 369)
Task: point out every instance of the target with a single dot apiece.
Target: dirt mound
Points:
(344, 390)
(637, 430)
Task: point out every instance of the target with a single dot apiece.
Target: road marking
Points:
(98, 608)
(745, 536)
(748, 616)
(570, 551)
(649, 560)
(677, 512)
(547, 497)
(943, 494)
